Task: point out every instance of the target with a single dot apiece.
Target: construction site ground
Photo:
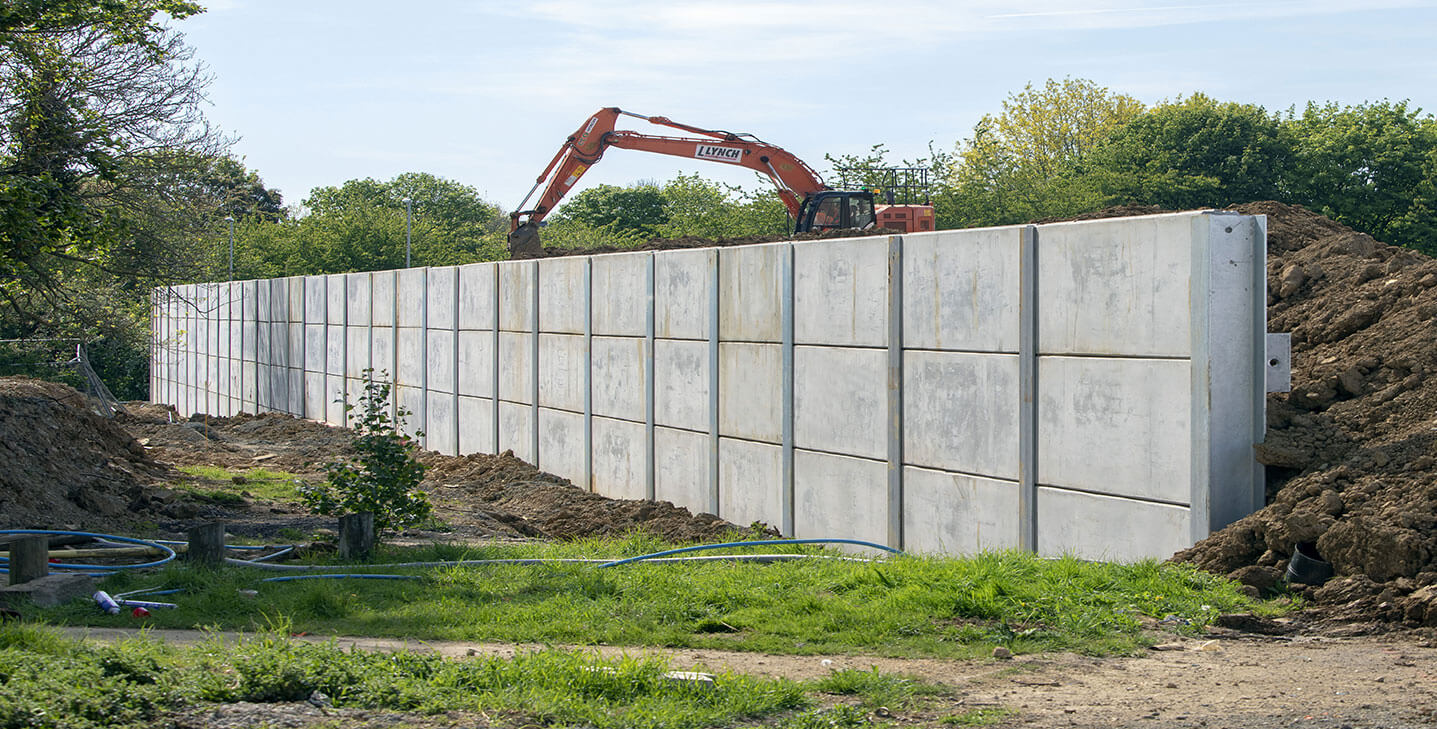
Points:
(1352, 470)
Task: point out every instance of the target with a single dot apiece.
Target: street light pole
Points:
(408, 236)
(231, 220)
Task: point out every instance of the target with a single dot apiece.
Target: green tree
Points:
(1194, 152)
(1027, 162)
(361, 226)
(637, 209)
(697, 207)
(1372, 166)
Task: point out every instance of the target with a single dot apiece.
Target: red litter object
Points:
(140, 612)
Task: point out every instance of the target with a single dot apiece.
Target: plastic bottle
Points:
(107, 603)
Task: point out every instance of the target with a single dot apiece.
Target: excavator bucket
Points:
(524, 241)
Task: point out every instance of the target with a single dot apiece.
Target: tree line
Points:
(113, 182)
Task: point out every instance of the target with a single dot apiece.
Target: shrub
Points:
(383, 475)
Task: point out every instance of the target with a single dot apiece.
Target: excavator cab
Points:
(836, 210)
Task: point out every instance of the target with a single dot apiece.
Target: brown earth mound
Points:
(1352, 450)
(61, 465)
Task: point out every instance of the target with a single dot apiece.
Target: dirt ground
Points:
(1226, 681)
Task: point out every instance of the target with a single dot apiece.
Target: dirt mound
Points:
(543, 505)
(665, 244)
(61, 465)
(270, 440)
(1352, 450)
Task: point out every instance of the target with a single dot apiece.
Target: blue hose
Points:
(756, 543)
(105, 568)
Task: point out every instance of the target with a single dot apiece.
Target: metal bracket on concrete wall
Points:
(1279, 362)
(588, 373)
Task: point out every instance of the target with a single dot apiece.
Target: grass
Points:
(260, 483)
(54, 682)
(907, 606)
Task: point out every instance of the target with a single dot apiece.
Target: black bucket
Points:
(1307, 566)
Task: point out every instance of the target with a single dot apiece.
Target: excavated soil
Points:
(61, 466)
(1352, 468)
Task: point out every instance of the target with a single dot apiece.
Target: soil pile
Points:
(269, 440)
(543, 505)
(61, 465)
(1352, 450)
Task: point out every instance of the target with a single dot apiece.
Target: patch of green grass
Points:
(50, 682)
(875, 688)
(904, 606)
(260, 483)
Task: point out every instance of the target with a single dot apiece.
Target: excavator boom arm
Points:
(586, 146)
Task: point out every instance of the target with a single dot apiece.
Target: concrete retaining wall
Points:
(1092, 388)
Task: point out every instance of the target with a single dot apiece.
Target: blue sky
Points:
(323, 91)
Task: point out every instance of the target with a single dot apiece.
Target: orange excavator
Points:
(813, 206)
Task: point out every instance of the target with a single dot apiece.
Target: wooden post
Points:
(29, 558)
(207, 544)
(356, 536)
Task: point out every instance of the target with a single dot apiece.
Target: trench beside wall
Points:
(1092, 388)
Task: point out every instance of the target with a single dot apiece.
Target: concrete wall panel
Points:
(840, 400)
(681, 470)
(841, 292)
(441, 297)
(561, 444)
(750, 475)
(960, 412)
(751, 286)
(248, 336)
(956, 514)
(960, 290)
(384, 300)
(439, 428)
(476, 296)
(515, 371)
(410, 303)
(315, 301)
(681, 382)
(382, 353)
(441, 360)
(562, 282)
(334, 400)
(1108, 528)
(516, 281)
(411, 357)
(1117, 286)
(621, 294)
(619, 455)
(1134, 412)
(619, 376)
(683, 285)
(338, 298)
(516, 423)
(356, 341)
(750, 390)
(839, 496)
(476, 425)
(476, 364)
(315, 407)
(561, 372)
(357, 299)
(298, 289)
(295, 382)
(334, 350)
(412, 400)
(314, 348)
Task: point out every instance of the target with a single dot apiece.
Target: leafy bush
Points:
(383, 475)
